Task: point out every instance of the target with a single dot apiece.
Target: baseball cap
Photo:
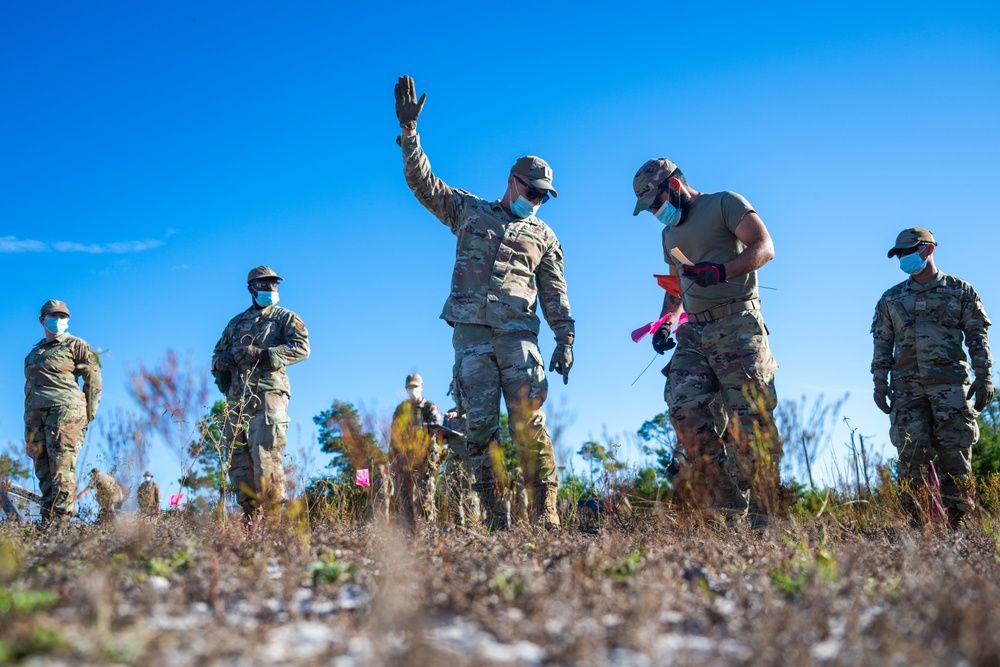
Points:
(262, 272)
(648, 180)
(55, 306)
(537, 171)
(909, 238)
(414, 380)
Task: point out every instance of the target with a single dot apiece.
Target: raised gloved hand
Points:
(91, 413)
(883, 396)
(408, 107)
(982, 387)
(251, 355)
(706, 274)
(662, 340)
(562, 360)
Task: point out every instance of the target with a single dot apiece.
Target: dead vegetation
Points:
(840, 589)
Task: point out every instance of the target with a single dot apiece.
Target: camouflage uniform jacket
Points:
(410, 415)
(503, 265)
(275, 328)
(51, 370)
(110, 492)
(918, 330)
(149, 497)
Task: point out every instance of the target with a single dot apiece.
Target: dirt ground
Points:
(189, 591)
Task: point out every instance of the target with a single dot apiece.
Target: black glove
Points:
(982, 387)
(662, 340)
(408, 107)
(883, 396)
(706, 274)
(223, 379)
(251, 355)
(562, 360)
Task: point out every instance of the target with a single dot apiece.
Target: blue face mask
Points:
(668, 214)
(522, 208)
(265, 299)
(57, 325)
(912, 263)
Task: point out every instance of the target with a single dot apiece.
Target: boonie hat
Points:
(147, 474)
(262, 272)
(537, 171)
(414, 380)
(910, 238)
(55, 306)
(648, 180)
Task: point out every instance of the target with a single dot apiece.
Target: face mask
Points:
(148, 479)
(414, 393)
(668, 214)
(265, 299)
(912, 263)
(522, 208)
(57, 325)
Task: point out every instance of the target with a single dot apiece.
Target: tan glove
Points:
(408, 107)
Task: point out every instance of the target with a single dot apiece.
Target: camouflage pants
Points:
(929, 421)
(255, 439)
(720, 393)
(457, 476)
(489, 363)
(53, 437)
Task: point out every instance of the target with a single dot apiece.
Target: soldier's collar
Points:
(920, 287)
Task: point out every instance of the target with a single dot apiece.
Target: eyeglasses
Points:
(265, 285)
(916, 248)
(531, 192)
(664, 187)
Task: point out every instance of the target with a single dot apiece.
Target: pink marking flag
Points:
(175, 499)
(641, 332)
(361, 478)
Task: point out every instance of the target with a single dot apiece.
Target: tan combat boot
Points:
(546, 512)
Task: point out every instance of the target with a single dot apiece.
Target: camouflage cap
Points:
(55, 306)
(147, 474)
(262, 272)
(910, 238)
(537, 171)
(414, 380)
(648, 180)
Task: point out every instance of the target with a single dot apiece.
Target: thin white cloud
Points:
(9, 244)
(14, 244)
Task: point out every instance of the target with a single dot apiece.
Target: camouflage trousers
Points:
(254, 436)
(415, 483)
(934, 423)
(490, 363)
(53, 437)
(457, 476)
(720, 396)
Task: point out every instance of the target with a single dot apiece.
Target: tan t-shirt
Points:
(707, 233)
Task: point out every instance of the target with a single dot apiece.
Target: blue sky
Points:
(153, 154)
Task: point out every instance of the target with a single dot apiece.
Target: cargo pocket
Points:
(539, 383)
(275, 408)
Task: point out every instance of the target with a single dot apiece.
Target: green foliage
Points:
(627, 566)
(210, 460)
(162, 567)
(986, 452)
(660, 433)
(647, 484)
(342, 435)
(25, 602)
(13, 468)
(573, 487)
(328, 569)
(793, 577)
(509, 584)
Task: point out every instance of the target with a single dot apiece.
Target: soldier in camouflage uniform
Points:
(111, 495)
(414, 454)
(918, 330)
(56, 410)
(723, 364)
(507, 259)
(148, 495)
(249, 367)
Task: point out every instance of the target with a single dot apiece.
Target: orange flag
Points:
(669, 283)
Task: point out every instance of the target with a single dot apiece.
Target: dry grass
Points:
(189, 590)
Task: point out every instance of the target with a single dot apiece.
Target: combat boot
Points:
(491, 505)
(546, 511)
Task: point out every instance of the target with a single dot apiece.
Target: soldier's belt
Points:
(725, 309)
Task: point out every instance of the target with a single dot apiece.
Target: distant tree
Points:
(594, 454)
(351, 444)
(806, 431)
(208, 455)
(662, 439)
(986, 452)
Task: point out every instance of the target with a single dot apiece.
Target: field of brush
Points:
(655, 590)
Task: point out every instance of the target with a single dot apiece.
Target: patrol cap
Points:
(262, 272)
(95, 471)
(648, 180)
(910, 238)
(537, 171)
(55, 306)
(147, 474)
(414, 380)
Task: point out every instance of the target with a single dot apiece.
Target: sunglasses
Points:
(265, 284)
(531, 192)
